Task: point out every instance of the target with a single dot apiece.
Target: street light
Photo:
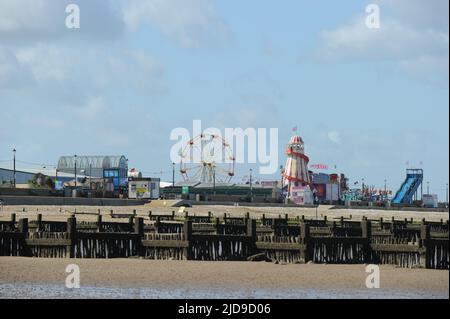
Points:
(214, 180)
(446, 193)
(428, 188)
(75, 166)
(14, 168)
(173, 174)
(90, 176)
(251, 186)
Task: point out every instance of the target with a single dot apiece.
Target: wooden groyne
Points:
(398, 242)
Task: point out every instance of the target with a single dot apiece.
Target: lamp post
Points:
(173, 174)
(446, 194)
(14, 168)
(75, 166)
(90, 177)
(251, 186)
(428, 188)
(214, 180)
(281, 173)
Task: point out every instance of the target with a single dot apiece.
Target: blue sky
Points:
(364, 100)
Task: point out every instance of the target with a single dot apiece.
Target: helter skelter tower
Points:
(295, 172)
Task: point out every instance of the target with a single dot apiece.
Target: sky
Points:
(370, 102)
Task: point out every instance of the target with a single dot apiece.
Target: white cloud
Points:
(192, 23)
(334, 137)
(27, 22)
(413, 35)
(94, 107)
(13, 74)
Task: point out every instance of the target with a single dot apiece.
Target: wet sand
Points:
(336, 280)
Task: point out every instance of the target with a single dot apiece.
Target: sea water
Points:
(51, 291)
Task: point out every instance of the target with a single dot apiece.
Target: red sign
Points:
(319, 166)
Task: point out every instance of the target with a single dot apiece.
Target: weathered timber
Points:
(397, 242)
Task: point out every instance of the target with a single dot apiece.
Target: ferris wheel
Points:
(207, 158)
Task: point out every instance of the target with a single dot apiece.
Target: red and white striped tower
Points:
(296, 169)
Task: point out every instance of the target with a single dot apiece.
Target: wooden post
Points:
(173, 215)
(424, 237)
(366, 234)
(99, 212)
(139, 230)
(247, 215)
(23, 229)
(366, 229)
(392, 226)
(264, 219)
(188, 238)
(342, 221)
(304, 240)
(22, 225)
(99, 224)
(251, 228)
(131, 221)
(186, 215)
(134, 212)
(139, 226)
(39, 222)
(218, 225)
(251, 232)
(71, 233)
(275, 226)
(111, 212)
(13, 219)
(157, 223)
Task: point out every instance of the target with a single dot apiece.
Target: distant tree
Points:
(41, 181)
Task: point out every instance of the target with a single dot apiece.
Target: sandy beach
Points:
(336, 280)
